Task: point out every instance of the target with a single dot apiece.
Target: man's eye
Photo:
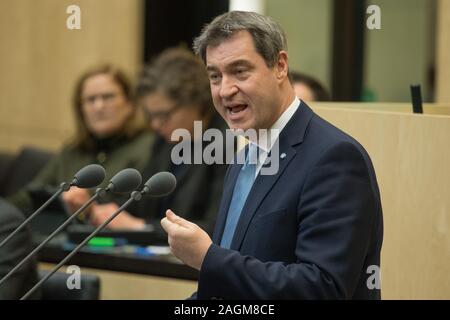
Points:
(214, 77)
(241, 72)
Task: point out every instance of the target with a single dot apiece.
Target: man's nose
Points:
(227, 88)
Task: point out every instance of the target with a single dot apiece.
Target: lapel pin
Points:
(283, 155)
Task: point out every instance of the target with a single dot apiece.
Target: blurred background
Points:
(367, 73)
(41, 59)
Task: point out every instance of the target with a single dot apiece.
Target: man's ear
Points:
(281, 67)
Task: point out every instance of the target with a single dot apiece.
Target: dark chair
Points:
(24, 168)
(55, 288)
(6, 160)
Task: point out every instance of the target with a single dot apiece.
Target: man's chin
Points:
(239, 125)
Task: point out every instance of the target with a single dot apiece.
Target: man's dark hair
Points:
(268, 36)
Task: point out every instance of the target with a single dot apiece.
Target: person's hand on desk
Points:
(75, 198)
(101, 212)
(188, 241)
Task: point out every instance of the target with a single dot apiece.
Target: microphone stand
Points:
(65, 186)
(99, 192)
(135, 196)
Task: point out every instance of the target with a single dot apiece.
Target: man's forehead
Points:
(230, 64)
(235, 49)
(238, 36)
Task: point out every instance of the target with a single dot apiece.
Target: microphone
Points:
(160, 184)
(125, 180)
(87, 177)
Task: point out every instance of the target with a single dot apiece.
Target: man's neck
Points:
(288, 96)
(265, 138)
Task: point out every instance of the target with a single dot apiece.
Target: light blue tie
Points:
(241, 190)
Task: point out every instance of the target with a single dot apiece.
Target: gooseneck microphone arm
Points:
(98, 193)
(62, 188)
(135, 196)
(159, 185)
(124, 181)
(87, 177)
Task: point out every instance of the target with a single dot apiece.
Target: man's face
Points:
(245, 91)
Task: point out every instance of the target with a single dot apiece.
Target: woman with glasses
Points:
(174, 94)
(108, 132)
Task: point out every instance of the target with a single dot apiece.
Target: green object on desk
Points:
(102, 242)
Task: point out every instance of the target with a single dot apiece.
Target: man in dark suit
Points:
(13, 252)
(311, 230)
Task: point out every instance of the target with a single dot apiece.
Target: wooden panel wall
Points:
(411, 156)
(40, 60)
(428, 108)
(443, 52)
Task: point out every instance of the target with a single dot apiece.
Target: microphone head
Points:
(89, 176)
(160, 184)
(125, 181)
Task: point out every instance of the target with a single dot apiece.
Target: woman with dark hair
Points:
(107, 132)
(174, 93)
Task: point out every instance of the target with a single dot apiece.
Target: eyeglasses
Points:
(106, 97)
(162, 116)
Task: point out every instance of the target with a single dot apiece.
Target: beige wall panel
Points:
(411, 158)
(443, 52)
(41, 60)
(428, 108)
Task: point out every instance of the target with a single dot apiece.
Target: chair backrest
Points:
(24, 168)
(6, 160)
(56, 287)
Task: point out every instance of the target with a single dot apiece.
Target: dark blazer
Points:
(13, 252)
(308, 232)
(198, 192)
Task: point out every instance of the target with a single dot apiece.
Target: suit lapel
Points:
(293, 134)
(261, 187)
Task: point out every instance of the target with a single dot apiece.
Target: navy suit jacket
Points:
(311, 231)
